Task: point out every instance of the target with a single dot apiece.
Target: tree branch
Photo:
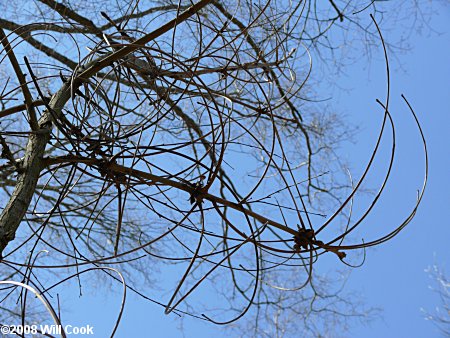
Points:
(20, 199)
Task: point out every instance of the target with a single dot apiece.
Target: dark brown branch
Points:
(17, 206)
(21, 77)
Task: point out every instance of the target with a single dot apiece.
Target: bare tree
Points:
(181, 133)
(441, 286)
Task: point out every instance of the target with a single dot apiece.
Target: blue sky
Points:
(393, 276)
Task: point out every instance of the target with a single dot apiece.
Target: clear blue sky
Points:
(393, 276)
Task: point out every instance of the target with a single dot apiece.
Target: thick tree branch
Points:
(20, 199)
